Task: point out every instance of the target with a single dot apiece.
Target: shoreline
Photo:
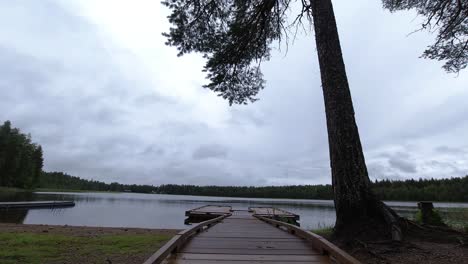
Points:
(53, 190)
(82, 230)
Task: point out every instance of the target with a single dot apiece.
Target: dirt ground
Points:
(82, 230)
(421, 247)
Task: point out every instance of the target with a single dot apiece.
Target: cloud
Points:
(450, 150)
(402, 165)
(107, 100)
(209, 151)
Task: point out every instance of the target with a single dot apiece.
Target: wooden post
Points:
(426, 211)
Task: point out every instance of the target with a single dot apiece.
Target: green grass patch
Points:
(11, 190)
(433, 218)
(45, 248)
(325, 232)
(456, 218)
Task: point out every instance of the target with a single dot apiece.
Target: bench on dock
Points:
(36, 204)
(241, 237)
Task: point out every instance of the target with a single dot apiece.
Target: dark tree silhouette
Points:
(453, 189)
(20, 160)
(450, 19)
(235, 37)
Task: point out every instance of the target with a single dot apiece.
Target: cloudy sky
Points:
(94, 84)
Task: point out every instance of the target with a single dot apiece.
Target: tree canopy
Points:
(63, 181)
(21, 160)
(450, 19)
(234, 36)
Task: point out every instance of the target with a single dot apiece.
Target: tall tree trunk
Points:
(355, 203)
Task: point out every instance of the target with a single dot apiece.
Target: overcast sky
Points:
(94, 84)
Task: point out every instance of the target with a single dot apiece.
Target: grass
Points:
(456, 218)
(433, 218)
(10, 190)
(323, 230)
(47, 248)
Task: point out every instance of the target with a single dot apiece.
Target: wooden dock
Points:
(242, 237)
(36, 204)
(276, 214)
(206, 212)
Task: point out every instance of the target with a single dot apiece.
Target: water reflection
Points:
(16, 196)
(161, 211)
(13, 215)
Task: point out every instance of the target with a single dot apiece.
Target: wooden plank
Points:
(209, 209)
(320, 243)
(233, 235)
(241, 257)
(204, 261)
(179, 240)
(273, 212)
(254, 230)
(224, 243)
(252, 239)
(246, 251)
(250, 246)
(270, 211)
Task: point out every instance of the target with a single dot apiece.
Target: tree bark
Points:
(355, 203)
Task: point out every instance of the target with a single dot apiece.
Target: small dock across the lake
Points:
(247, 236)
(36, 204)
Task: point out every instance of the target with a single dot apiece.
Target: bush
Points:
(433, 218)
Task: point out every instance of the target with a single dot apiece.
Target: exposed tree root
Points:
(393, 220)
(387, 227)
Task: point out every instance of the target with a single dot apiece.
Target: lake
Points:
(168, 211)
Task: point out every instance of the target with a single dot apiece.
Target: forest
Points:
(21, 160)
(63, 181)
(453, 189)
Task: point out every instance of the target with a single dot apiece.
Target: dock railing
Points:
(319, 243)
(180, 239)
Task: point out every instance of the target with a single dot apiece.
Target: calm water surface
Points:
(166, 211)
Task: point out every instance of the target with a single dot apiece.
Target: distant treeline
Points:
(450, 190)
(62, 181)
(453, 190)
(293, 192)
(20, 159)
